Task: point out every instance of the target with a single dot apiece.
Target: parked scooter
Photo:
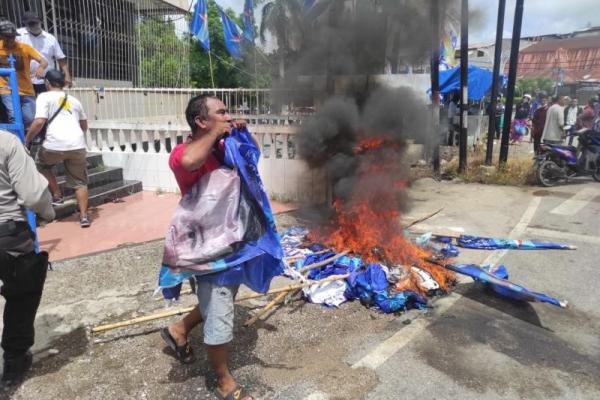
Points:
(556, 163)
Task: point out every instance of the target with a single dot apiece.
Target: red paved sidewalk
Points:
(139, 218)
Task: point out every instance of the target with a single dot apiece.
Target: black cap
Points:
(55, 77)
(7, 28)
(30, 17)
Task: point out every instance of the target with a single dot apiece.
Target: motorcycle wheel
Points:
(544, 173)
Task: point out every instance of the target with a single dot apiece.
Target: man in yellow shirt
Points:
(23, 55)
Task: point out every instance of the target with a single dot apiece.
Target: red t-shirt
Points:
(186, 179)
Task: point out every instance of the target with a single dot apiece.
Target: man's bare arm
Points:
(64, 66)
(196, 152)
(41, 69)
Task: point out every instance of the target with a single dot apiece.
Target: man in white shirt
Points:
(47, 45)
(65, 123)
(555, 122)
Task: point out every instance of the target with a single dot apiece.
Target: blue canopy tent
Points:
(479, 81)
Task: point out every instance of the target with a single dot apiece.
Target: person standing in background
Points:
(23, 54)
(47, 45)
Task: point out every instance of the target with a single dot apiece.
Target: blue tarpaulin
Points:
(479, 81)
(497, 280)
(484, 243)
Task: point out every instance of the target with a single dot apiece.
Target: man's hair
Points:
(55, 78)
(197, 108)
(555, 99)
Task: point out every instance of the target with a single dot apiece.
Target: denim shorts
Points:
(216, 307)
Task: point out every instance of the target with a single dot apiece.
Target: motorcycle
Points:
(559, 162)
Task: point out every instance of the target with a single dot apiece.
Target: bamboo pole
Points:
(179, 311)
(324, 262)
(310, 266)
(278, 299)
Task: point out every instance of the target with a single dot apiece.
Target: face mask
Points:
(35, 29)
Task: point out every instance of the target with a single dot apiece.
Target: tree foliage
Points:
(529, 86)
(161, 53)
(228, 72)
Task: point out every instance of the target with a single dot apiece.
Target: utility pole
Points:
(512, 79)
(435, 83)
(464, 77)
(495, 79)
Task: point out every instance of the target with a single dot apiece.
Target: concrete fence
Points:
(143, 149)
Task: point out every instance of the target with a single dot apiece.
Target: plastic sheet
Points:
(254, 262)
(485, 243)
(495, 279)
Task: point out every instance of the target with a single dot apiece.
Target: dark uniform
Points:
(22, 271)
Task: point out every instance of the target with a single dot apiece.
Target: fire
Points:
(369, 223)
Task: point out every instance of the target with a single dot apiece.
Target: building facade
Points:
(123, 43)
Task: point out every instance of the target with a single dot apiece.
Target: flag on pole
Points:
(233, 34)
(249, 21)
(199, 25)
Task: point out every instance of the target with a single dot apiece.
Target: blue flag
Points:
(233, 34)
(199, 25)
(249, 21)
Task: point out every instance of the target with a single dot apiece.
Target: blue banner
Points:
(249, 21)
(496, 278)
(232, 33)
(199, 24)
(256, 262)
(485, 243)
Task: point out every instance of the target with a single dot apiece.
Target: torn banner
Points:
(484, 243)
(497, 280)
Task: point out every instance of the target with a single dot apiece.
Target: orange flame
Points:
(369, 224)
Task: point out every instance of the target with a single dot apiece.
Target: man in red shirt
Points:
(202, 153)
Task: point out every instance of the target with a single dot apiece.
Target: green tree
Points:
(529, 86)
(228, 72)
(161, 54)
(283, 19)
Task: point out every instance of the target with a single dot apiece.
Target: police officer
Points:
(22, 271)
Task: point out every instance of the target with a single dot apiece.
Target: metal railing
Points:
(144, 105)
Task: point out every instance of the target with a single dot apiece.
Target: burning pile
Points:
(363, 151)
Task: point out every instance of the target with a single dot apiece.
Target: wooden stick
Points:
(179, 311)
(324, 262)
(278, 299)
(418, 221)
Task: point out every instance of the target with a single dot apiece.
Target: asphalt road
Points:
(471, 345)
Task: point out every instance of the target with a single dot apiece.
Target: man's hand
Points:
(240, 123)
(68, 81)
(40, 72)
(221, 129)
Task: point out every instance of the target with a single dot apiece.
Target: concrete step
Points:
(100, 195)
(98, 176)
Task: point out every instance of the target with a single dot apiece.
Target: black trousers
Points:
(537, 140)
(23, 281)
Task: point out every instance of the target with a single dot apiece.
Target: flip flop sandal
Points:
(183, 353)
(237, 393)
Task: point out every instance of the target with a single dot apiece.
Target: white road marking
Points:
(565, 236)
(576, 203)
(384, 350)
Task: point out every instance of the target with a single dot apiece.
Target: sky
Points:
(539, 16)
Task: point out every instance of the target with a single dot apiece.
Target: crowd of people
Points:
(549, 119)
(54, 122)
